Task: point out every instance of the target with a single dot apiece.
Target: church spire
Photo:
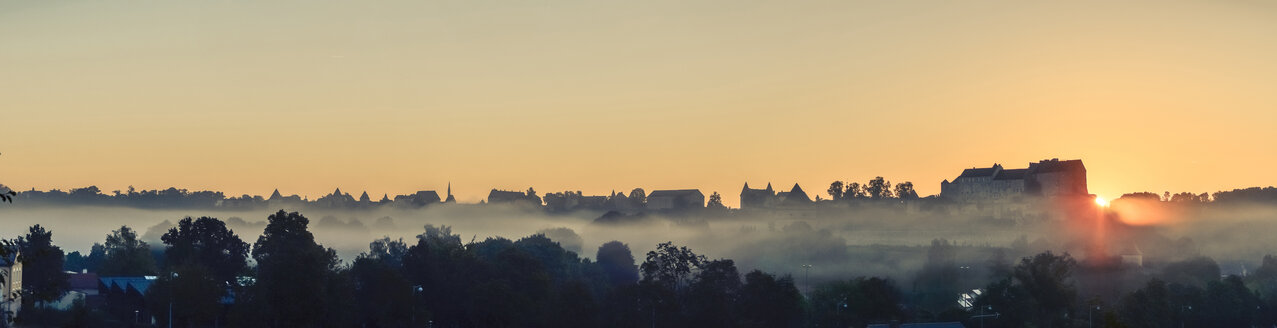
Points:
(450, 198)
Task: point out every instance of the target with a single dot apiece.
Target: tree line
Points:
(876, 188)
(211, 277)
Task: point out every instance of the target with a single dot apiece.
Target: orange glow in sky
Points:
(394, 97)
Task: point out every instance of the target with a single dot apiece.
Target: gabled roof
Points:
(977, 172)
(83, 281)
(1012, 174)
(796, 194)
(675, 193)
(124, 284)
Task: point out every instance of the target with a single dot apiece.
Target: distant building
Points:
(767, 198)
(419, 199)
(795, 196)
(10, 285)
(1049, 178)
(277, 200)
(450, 199)
(675, 199)
(83, 287)
(757, 198)
(504, 196)
(125, 297)
(336, 200)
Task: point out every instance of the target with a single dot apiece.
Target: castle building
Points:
(764, 198)
(675, 199)
(1047, 178)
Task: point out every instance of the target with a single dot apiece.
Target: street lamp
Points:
(1090, 323)
(807, 275)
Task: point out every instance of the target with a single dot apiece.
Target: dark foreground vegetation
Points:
(207, 276)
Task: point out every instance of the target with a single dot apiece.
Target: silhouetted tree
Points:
(42, 277)
(193, 293)
(126, 255)
(292, 267)
(1047, 279)
(936, 286)
(617, 263)
(6, 194)
(878, 188)
(566, 238)
(766, 301)
(1196, 272)
(206, 243)
(389, 252)
(670, 265)
(441, 265)
(856, 302)
(905, 191)
(638, 197)
(835, 190)
(715, 201)
(854, 190)
(383, 294)
(712, 295)
(1149, 306)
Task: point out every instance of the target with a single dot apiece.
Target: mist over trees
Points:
(436, 278)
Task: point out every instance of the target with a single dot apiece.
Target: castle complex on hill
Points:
(1047, 178)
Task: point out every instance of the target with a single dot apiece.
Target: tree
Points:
(126, 255)
(712, 295)
(439, 263)
(766, 301)
(854, 190)
(1149, 306)
(292, 267)
(905, 191)
(617, 263)
(382, 292)
(390, 252)
(6, 194)
(1048, 280)
(670, 265)
(206, 243)
(203, 258)
(835, 190)
(638, 196)
(42, 277)
(878, 188)
(192, 292)
(715, 201)
(936, 285)
(566, 238)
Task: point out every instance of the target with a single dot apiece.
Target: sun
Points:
(1101, 202)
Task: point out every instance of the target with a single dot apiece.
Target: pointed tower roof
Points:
(385, 198)
(796, 194)
(337, 192)
(364, 198)
(769, 186)
(276, 195)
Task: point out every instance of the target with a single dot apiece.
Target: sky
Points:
(397, 96)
